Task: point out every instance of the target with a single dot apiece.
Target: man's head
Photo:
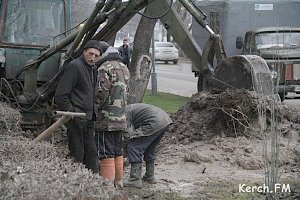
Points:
(126, 41)
(104, 46)
(92, 51)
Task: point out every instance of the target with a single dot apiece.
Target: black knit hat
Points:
(104, 45)
(93, 44)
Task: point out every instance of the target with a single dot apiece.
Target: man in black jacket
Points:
(76, 93)
(126, 51)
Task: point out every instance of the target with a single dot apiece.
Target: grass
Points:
(168, 102)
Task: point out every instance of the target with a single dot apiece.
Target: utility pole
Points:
(153, 74)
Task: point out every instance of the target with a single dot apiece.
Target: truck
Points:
(280, 47)
(36, 45)
(268, 28)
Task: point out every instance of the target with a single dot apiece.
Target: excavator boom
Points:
(26, 88)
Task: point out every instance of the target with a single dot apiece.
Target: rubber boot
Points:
(107, 168)
(118, 182)
(149, 175)
(135, 179)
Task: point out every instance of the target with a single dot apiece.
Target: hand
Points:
(80, 121)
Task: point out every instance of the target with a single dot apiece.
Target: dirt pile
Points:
(231, 113)
(227, 138)
(214, 143)
(40, 171)
(9, 120)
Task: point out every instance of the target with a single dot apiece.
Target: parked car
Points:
(118, 43)
(165, 51)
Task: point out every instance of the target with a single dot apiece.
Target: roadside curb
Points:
(183, 59)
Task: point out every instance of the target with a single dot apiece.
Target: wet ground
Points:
(214, 165)
(204, 155)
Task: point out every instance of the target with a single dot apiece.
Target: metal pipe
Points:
(47, 133)
(67, 113)
(209, 30)
(30, 81)
(108, 5)
(93, 30)
(196, 15)
(55, 48)
(66, 116)
(86, 27)
(153, 74)
(52, 50)
(123, 16)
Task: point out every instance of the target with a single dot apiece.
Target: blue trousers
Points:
(109, 144)
(144, 147)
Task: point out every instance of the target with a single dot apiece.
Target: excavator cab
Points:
(26, 28)
(32, 23)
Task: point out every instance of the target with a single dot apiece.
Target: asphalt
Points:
(175, 79)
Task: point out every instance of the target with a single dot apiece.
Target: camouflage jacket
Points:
(113, 77)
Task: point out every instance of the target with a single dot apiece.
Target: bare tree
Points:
(140, 66)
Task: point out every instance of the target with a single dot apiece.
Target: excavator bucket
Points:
(246, 71)
(250, 72)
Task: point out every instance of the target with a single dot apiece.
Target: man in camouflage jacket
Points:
(113, 78)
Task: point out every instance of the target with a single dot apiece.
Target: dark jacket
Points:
(144, 120)
(126, 52)
(76, 90)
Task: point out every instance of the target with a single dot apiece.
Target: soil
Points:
(215, 143)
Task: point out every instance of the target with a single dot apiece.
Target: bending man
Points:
(146, 126)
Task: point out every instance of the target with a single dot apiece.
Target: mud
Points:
(9, 120)
(215, 144)
(232, 113)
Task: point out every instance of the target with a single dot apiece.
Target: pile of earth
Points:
(231, 113)
(31, 170)
(210, 131)
(228, 137)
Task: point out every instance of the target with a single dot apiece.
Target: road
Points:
(179, 79)
(294, 101)
(175, 79)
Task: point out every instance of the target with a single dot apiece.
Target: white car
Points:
(165, 51)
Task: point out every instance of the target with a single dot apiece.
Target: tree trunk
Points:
(140, 66)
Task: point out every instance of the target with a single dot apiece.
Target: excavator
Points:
(36, 45)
